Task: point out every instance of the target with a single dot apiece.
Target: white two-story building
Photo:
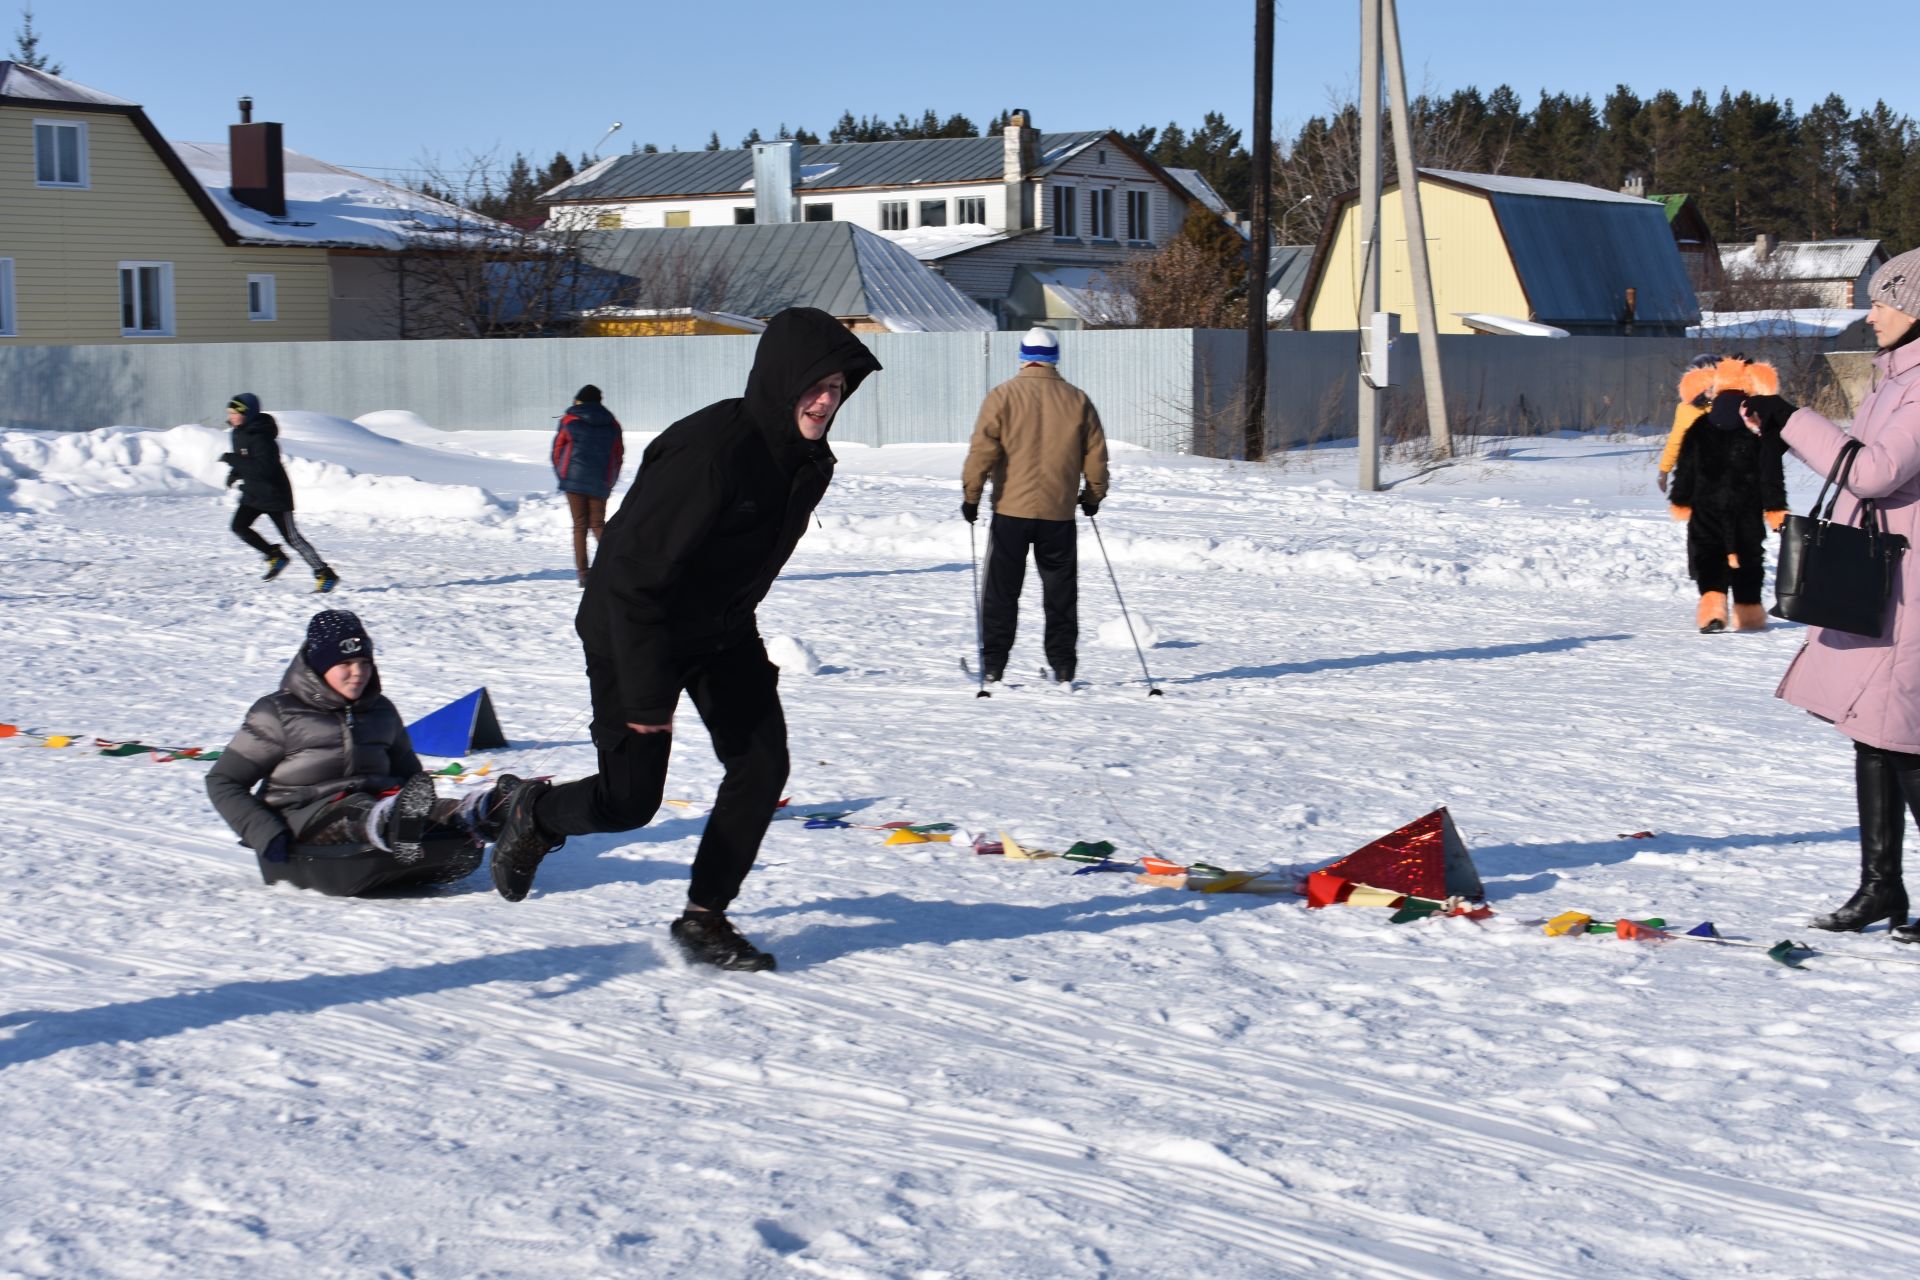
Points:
(1024, 223)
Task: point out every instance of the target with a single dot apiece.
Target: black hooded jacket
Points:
(255, 460)
(1726, 469)
(721, 500)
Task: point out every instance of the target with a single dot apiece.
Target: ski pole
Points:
(979, 628)
(1151, 691)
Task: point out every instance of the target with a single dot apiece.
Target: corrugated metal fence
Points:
(1171, 389)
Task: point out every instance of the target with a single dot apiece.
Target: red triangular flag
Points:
(1324, 889)
(1426, 858)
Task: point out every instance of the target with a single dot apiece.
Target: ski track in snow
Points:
(966, 1066)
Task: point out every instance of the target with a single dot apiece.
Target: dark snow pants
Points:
(736, 691)
(1056, 546)
(333, 857)
(589, 513)
(1727, 550)
(243, 518)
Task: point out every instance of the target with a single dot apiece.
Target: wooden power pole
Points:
(1439, 437)
(1255, 437)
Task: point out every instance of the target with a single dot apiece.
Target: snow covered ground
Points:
(966, 1066)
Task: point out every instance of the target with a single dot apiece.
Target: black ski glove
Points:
(970, 511)
(233, 477)
(1089, 503)
(1771, 412)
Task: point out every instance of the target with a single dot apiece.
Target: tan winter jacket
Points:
(1037, 434)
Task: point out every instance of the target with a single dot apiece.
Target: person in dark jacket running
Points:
(322, 783)
(720, 502)
(587, 452)
(253, 463)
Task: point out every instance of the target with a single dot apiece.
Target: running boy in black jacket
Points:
(720, 502)
(254, 464)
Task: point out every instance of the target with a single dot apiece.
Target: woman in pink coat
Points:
(1869, 689)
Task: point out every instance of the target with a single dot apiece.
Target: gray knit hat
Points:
(1897, 283)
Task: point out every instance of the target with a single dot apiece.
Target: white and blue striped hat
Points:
(1039, 347)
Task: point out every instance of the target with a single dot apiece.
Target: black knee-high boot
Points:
(1882, 789)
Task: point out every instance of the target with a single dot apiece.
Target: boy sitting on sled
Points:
(322, 783)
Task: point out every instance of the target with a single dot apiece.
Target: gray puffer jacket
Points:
(301, 748)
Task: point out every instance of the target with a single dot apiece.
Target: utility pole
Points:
(1369, 395)
(1255, 436)
(1439, 437)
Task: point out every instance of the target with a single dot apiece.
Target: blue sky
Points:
(383, 86)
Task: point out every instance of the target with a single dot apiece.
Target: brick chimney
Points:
(1020, 160)
(1763, 246)
(257, 163)
(1635, 185)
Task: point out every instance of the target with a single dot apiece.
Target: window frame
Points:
(818, 211)
(684, 216)
(1100, 214)
(165, 329)
(962, 205)
(269, 297)
(941, 204)
(1066, 199)
(79, 129)
(9, 315)
(895, 215)
(745, 215)
(1140, 224)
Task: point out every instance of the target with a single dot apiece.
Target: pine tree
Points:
(713, 141)
(753, 136)
(26, 43)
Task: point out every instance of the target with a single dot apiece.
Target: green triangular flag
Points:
(1089, 851)
(1788, 953)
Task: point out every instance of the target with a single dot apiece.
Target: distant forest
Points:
(1756, 164)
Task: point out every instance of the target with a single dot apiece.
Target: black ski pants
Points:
(1727, 551)
(333, 857)
(736, 691)
(243, 518)
(1055, 545)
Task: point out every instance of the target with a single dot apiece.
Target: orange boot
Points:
(1749, 617)
(1712, 614)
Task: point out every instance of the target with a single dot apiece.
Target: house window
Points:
(677, 218)
(1100, 213)
(260, 302)
(822, 212)
(1065, 223)
(1139, 215)
(608, 221)
(743, 215)
(933, 213)
(970, 209)
(59, 153)
(8, 327)
(893, 215)
(146, 299)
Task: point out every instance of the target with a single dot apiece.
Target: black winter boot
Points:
(406, 818)
(708, 937)
(1882, 895)
(499, 799)
(522, 844)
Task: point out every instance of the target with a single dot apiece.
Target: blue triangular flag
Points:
(463, 725)
(1704, 929)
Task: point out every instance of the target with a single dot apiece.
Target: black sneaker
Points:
(499, 800)
(325, 581)
(276, 561)
(406, 819)
(995, 673)
(1063, 675)
(521, 845)
(708, 937)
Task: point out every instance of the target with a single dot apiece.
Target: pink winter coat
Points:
(1870, 689)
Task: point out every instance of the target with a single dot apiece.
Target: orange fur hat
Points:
(1695, 383)
(1755, 379)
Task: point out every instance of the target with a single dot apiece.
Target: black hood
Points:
(801, 346)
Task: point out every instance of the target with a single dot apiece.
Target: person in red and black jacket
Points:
(587, 452)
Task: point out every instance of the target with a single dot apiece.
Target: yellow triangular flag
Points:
(1567, 922)
(59, 740)
(904, 836)
(1011, 848)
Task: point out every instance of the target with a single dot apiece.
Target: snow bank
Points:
(1113, 633)
(41, 469)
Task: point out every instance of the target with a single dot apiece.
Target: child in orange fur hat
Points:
(1730, 490)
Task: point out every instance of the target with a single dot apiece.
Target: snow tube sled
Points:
(349, 870)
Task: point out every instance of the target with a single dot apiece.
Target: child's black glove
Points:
(970, 511)
(1089, 503)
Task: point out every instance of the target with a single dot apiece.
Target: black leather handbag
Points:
(1837, 575)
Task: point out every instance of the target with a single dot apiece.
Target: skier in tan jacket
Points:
(1037, 438)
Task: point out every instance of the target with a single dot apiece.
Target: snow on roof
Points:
(327, 205)
(1804, 260)
(728, 318)
(1497, 182)
(1509, 326)
(1086, 291)
(28, 83)
(1791, 322)
(1196, 182)
(932, 243)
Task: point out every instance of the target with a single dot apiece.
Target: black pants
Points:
(243, 518)
(737, 694)
(1726, 550)
(1056, 545)
(334, 858)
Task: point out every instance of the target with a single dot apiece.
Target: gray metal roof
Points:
(1578, 249)
(823, 167)
(1805, 259)
(762, 269)
(28, 84)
